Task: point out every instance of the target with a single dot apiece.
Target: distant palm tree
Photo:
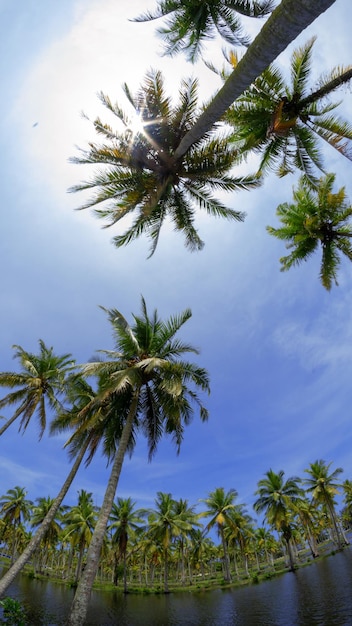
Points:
(190, 23)
(201, 549)
(188, 514)
(79, 526)
(266, 541)
(240, 532)
(347, 488)
(51, 536)
(159, 390)
(219, 506)
(41, 381)
(165, 522)
(283, 123)
(316, 218)
(324, 487)
(15, 508)
(308, 515)
(124, 519)
(139, 175)
(276, 497)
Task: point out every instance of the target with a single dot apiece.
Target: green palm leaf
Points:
(318, 218)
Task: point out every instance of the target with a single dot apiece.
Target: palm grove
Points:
(172, 544)
(168, 168)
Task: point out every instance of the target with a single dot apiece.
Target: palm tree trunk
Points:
(79, 562)
(166, 571)
(236, 566)
(125, 571)
(7, 579)
(81, 599)
(226, 556)
(328, 88)
(312, 543)
(335, 528)
(286, 22)
(290, 555)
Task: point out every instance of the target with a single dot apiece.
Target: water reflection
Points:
(318, 595)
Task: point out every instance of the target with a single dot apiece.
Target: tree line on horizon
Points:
(170, 541)
(168, 169)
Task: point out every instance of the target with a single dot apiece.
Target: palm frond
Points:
(301, 67)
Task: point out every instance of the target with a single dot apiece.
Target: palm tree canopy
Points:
(15, 507)
(41, 380)
(316, 218)
(286, 22)
(38, 515)
(219, 505)
(139, 174)
(124, 518)
(80, 519)
(167, 520)
(276, 497)
(322, 484)
(283, 123)
(189, 23)
(148, 357)
(94, 417)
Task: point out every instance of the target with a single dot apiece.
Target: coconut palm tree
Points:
(324, 487)
(100, 423)
(159, 389)
(285, 23)
(173, 165)
(40, 382)
(239, 532)
(201, 549)
(219, 506)
(79, 525)
(308, 515)
(316, 218)
(276, 498)
(188, 514)
(15, 509)
(165, 522)
(266, 542)
(283, 123)
(138, 175)
(123, 518)
(347, 489)
(51, 536)
(190, 23)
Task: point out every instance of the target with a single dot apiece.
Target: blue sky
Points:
(277, 346)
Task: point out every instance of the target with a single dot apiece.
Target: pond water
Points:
(317, 595)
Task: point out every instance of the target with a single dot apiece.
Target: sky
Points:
(276, 345)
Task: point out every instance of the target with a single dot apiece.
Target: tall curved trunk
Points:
(81, 599)
(286, 22)
(7, 579)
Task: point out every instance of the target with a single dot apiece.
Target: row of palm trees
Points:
(172, 534)
(144, 386)
(169, 169)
